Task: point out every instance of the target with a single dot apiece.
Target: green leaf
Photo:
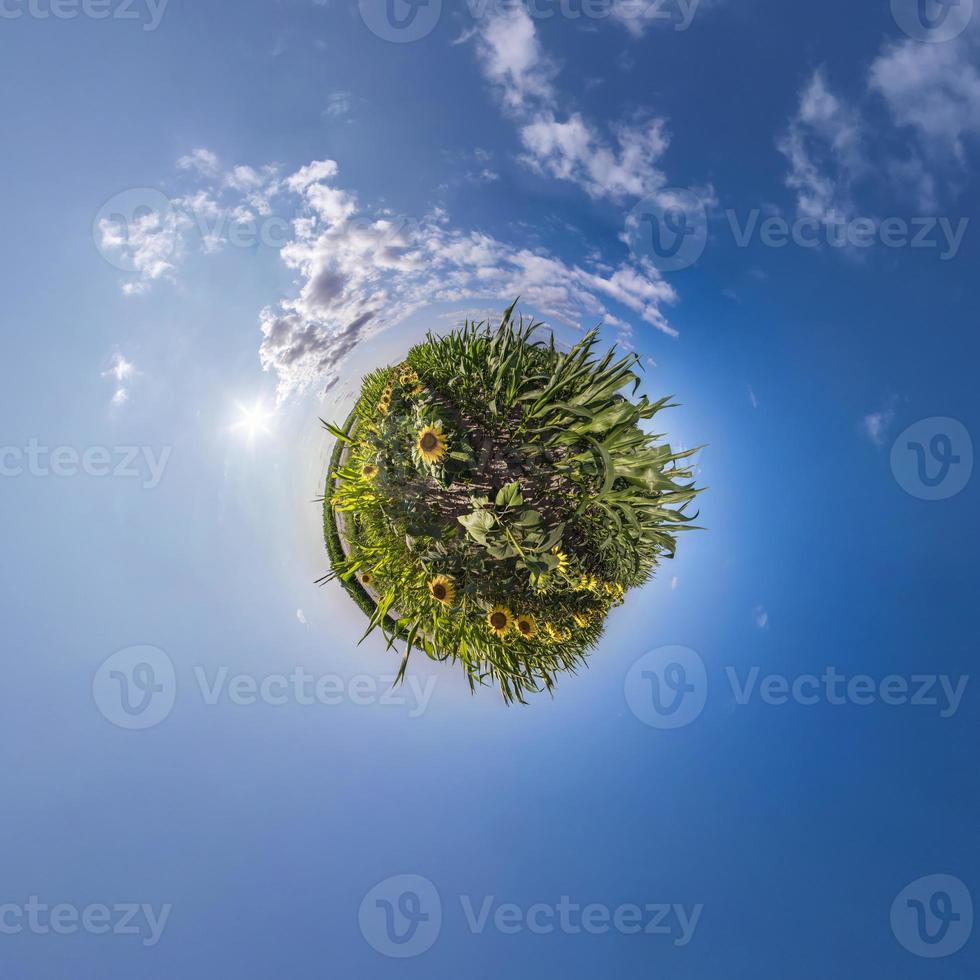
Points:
(510, 496)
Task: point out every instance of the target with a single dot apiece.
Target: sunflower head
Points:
(581, 619)
(369, 471)
(526, 626)
(431, 443)
(442, 589)
(366, 578)
(384, 405)
(562, 560)
(552, 632)
(499, 619)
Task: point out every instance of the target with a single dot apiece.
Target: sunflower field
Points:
(491, 499)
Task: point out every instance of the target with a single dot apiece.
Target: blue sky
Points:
(219, 216)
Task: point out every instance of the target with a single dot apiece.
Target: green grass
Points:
(491, 480)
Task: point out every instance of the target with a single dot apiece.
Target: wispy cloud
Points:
(912, 119)
(823, 145)
(877, 424)
(339, 104)
(121, 372)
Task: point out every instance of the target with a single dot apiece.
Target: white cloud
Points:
(761, 616)
(573, 150)
(638, 16)
(560, 144)
(338, 104)
(913, 121)
(121, 371)
(934, 89)
(203, 161)
(149, 243)
(877, 424)
(513, 60)
(823, 147)
(301, 616)
(365, 270)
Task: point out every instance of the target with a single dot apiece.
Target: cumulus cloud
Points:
(512, 58)
(363, 270)
(573, 150)
(558, 143)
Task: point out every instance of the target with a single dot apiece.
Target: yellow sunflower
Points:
(369, 471)
(431, 443)
(526, 625)
(383, 406)
(366, 578)
(581, 619)
(442, 589)
(562, 560)
(499, 620)
(553, 633)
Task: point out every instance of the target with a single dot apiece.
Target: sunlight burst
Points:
(253, 420)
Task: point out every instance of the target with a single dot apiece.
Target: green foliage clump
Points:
(491, 498)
